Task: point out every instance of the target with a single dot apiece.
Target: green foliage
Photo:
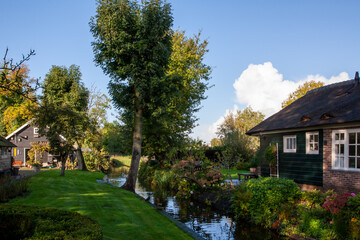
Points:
(65, 97)
(30, 222)
(315, 199)
(11, 187)
(232, 133)
(315, 223)
(269, 196)
(270, 155)
(96, 161)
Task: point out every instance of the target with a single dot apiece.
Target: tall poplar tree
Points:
(133, 45)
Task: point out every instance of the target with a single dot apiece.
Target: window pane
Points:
(337, 162)
(352, 150)
(294, 143)
(351, 162)
(358, 138)
(311, 138)
(341, 148)
(342, 136)
(336, 148)
(342, 162)
(311, 147)
(358, 150)
(288, 143)
(352, 137)
(336, 136)
(358, 163)
(316, 146)
(316, 138)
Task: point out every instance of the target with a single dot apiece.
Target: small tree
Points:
(36, 153)
(62, 115)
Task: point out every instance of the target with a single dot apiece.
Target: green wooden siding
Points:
(301, 167)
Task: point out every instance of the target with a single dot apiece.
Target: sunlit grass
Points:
(233, 173)
(121, 214)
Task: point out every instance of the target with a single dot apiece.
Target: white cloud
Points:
(263, 88)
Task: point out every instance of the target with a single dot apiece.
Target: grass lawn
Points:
(125, 160)
(120, 213)
(233, 173)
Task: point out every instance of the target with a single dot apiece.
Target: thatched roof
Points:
(337, 103)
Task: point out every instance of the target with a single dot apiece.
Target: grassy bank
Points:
(121, 214)
(233, 173)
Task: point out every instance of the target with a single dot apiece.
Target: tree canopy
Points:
(301, 91)
(62, 115)
(133, 46)
(232, 132)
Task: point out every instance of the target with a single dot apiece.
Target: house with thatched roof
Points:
(317, 138)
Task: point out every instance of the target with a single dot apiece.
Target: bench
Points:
(247, 176)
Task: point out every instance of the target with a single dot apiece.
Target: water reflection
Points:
(203, 220)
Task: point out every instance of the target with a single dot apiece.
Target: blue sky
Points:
(260, 50)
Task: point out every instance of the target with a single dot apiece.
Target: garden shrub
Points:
(32, 222)
(345, 210)
(269, 201)
(11, 187)
(316, 223)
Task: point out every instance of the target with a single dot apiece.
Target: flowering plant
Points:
(336, 202)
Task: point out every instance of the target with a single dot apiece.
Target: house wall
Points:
(23, 139)
(338, 180)
(301, 167)
(5, 159)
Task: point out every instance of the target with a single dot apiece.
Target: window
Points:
(346, 149)
(290, 144)
(312, 143)
(36, 131)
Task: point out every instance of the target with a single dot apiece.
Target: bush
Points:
(271, 200)
(32, 222)
(11, 187)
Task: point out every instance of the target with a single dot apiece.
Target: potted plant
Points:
(253, 165)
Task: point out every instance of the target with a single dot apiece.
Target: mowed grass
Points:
(124, 160)
(120, 213)
(233, 173)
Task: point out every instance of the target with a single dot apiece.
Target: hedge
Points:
(33, 222)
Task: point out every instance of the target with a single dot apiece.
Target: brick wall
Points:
(340, 181)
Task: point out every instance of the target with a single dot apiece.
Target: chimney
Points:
(357, 79)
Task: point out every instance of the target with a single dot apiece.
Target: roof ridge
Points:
(337, 84)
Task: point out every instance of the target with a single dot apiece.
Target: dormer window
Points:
(36, 131)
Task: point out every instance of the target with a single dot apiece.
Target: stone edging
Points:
(178, 223)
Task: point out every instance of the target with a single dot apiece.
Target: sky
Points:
(260, 51)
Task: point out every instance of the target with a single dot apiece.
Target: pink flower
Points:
(353, 194)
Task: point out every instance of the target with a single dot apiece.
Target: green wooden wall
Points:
(301, 167)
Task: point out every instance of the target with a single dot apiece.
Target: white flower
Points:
(191, 192)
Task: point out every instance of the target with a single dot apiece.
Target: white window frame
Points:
(308, 148)
(346, 149)
(36, 131)
(286, 147)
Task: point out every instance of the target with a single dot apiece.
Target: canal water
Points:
(201, 219)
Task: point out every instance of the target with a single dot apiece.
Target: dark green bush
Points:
(269, 199)
(32, 222)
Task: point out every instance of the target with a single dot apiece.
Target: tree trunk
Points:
(63, 162)
(136, 151)
(80, 159)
